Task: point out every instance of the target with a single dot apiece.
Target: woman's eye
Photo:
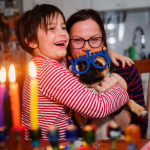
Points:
(77, 40)
(94, 39)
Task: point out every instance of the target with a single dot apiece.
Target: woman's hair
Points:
(82, 15)
(28, 23)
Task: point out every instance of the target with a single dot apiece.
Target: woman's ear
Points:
(32, 44)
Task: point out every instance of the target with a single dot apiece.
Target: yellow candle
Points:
(33, 96)
(14, 96)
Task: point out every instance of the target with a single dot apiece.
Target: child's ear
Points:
(32, 44)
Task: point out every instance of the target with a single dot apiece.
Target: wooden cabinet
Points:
(133, 4)
(106, 5)
(70, 6)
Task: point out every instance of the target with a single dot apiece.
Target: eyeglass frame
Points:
(86, 41)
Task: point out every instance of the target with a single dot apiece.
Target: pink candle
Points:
(2, 93)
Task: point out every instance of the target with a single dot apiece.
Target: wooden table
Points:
(105, 145)
(120, 145)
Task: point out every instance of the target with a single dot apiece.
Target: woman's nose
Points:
(86, 46)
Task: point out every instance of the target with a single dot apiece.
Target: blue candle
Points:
(71, 133)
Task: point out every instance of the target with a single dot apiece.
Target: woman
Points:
(85, 26)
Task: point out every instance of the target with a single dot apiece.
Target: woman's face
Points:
(84, 30)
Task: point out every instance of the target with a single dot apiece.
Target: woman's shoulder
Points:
(126, 72)
(127, 68)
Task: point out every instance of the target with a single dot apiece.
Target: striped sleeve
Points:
(135, 91)
(58, 84)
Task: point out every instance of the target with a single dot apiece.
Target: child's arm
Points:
(116, 56)
(59, 85)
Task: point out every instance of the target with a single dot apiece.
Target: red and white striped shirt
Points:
(59, 93)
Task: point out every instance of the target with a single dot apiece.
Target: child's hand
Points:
(73, 73)
(116, 56)
(108, 83)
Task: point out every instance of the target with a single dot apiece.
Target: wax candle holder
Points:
(35, 135)
(53, 136)
(3, 136)
(132, 136)
(71, 135)
(113, 132)
(17, 134)
(88, 135)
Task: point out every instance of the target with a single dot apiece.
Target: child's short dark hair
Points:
(28, 23)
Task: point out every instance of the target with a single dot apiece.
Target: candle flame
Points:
(2, 75)
(32, 69)
(12, 74)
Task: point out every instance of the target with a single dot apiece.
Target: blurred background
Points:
(127, 24)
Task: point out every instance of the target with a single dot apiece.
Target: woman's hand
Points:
(109, 82)
(116, 56)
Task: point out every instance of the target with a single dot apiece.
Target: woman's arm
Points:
(116, 56)
(59, 85)
(135, 90)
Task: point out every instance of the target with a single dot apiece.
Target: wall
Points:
(134, 18)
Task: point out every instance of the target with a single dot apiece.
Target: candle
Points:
(33, 96)
(14, 96)
(2, 93)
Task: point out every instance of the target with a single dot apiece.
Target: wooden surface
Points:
(120, 145)
(104, 145)
(142, 65)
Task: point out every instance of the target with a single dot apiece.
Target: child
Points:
(42, 33)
